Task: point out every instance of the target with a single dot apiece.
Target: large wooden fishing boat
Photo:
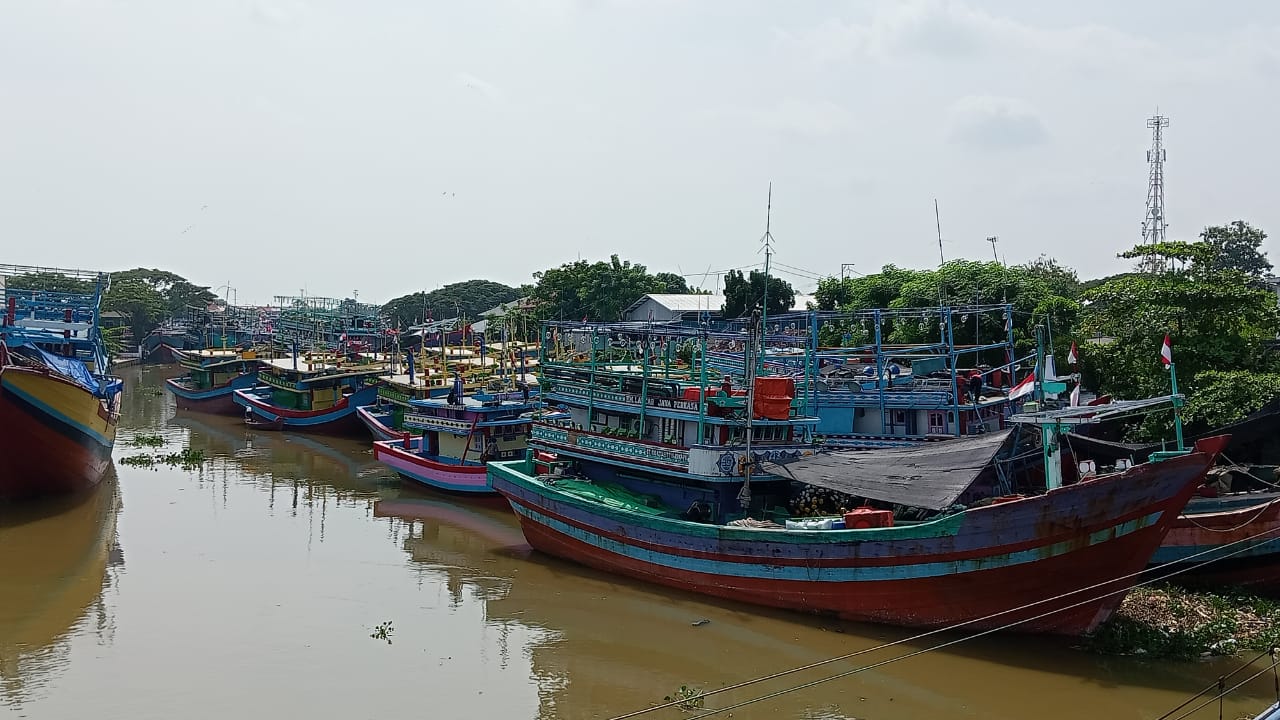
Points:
(458, 435)
(58, 407)
(212, 376)
(316, 393)
(674, 482)
(501, 369)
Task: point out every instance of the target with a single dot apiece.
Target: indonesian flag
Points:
(1072, 356)
(1166, 353)
(1075, 395)
(1023, 388)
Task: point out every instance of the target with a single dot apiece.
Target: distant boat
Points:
(213, 375)
(58, 408)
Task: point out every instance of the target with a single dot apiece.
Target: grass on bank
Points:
(1171, 622)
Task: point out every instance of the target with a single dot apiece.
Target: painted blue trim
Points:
(757, 569)
(1176, 553)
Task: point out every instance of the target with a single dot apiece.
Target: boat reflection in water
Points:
(55, 558)
(599, 645)
(344, 466)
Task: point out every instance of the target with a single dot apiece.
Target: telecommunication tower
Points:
(1154, 224)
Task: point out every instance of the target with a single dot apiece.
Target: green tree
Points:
(672, 284)
(743, 294)
(1040, 291)
(598, 291)
(1217, 318)
(1237, 246)
(49, 282)
(1226, 396)
(135, 297)
(468, 298)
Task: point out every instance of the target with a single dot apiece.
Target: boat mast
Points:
(754, 339)
(768, 252)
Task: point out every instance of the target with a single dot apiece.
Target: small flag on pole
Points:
(1166, 353)
(1072, 356)
(1075, 395)
(1023, 388)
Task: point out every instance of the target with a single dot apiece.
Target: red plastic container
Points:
(866, 517)
(773, 397)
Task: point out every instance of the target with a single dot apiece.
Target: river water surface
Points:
(251, 588)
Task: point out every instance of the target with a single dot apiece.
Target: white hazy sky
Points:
(395, 145)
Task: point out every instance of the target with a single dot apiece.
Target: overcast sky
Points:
(390, 146)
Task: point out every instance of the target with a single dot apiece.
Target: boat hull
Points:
(425, 471)
(1241, 546)
(1018, 565)
(340, 419)
(57, 436)
(375, 425)
(218, 400)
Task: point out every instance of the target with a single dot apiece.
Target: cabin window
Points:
(937, 422)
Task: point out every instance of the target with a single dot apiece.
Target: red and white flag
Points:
(1023, 388)
(1166, 353)
(1075, 395)
(1072, 356)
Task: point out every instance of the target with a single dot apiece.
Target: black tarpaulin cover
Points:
(931, 475)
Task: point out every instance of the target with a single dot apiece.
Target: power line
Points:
(951, 628)
(975, 636)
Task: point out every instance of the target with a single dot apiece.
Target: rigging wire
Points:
(949, 628)
(1219, 682)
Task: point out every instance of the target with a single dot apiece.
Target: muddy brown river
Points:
(251, 587)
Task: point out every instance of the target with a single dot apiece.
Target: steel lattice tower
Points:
(1154, 224)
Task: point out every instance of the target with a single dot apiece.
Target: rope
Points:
(1261, 510)
(1218, 683)
(1223, 693)
(1235, 466)
(930, 633)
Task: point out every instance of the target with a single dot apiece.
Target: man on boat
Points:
(975, 385)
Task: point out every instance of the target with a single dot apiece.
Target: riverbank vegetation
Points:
(1213, 297)
(1167, 621)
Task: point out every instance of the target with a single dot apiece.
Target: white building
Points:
(661, 307)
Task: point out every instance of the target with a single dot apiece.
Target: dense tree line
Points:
(1210, 296)
(465, 299)
(146, 297)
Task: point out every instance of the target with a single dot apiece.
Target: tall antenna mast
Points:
(937, 219)
(1154, 225)
(768, 252)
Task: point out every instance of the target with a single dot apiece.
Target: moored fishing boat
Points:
(1226, 542)
(1002, 542)
(316, 393)
(432, 372)
(459, 434)
(58, 407)
(1228, 536)
(213, 375)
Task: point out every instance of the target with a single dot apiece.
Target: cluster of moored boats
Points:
(921, 485)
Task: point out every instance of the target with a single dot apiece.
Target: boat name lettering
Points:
(435, 423)
(621, 447)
